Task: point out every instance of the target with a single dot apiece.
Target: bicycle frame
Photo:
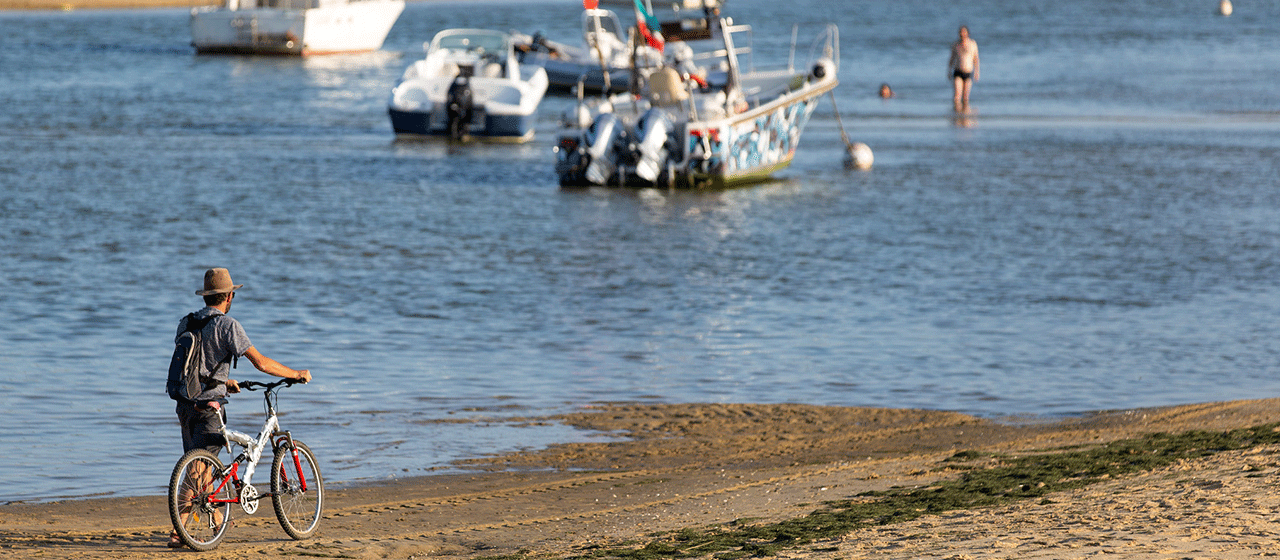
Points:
(252, 453)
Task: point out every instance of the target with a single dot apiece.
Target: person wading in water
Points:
(963, 68)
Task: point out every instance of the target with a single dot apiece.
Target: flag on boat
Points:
(590, 4)
(649, 26)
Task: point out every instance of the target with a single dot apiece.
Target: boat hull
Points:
(750, 148)
(330, 28)
(567, 74)
(500, 128)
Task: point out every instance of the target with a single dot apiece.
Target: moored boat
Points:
(608, 57)
(469, 85)
(293, 27)
(683, 132)
(602, 62)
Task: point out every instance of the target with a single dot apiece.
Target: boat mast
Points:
(594, 37)
(730, 56)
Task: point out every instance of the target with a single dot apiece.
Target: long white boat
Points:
(293, 27)
(602, 62)
(604, 59)
(684, 132)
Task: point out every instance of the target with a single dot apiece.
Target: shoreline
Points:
(689, 467)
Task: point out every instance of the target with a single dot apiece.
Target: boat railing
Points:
(747, 50)
(826, 44)
(721, 54)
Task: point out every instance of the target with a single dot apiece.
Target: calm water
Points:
(1105, 234)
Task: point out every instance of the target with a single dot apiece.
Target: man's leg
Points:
(958, 83)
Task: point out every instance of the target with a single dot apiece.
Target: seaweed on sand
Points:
(1001, 480)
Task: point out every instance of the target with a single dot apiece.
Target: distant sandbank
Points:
(69, 5)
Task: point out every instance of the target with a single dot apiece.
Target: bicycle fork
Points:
(285, 439)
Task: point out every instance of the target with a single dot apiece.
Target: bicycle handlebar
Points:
(251, 385)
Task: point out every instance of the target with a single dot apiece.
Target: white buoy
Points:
(859, 157)
(1224, 7)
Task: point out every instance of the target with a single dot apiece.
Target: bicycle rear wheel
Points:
(297, 490)
(196, 483)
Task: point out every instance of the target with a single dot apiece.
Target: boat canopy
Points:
(478, 41)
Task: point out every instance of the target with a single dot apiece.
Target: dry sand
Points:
(687, 466)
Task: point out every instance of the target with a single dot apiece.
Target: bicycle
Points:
(202, 489)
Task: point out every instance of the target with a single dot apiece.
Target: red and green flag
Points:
(648, 25)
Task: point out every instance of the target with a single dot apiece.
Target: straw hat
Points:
(217, 281)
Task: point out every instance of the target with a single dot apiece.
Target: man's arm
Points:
(271, 367)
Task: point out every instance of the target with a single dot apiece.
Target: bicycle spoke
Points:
(298, 510)
(197, 481)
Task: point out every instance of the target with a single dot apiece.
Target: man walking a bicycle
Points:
(223, 341)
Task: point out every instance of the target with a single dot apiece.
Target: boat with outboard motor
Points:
(293, 27)
(680, 132)
(470, 85)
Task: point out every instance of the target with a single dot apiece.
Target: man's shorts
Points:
(201, 427)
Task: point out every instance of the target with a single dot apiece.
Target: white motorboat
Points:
(469, 85)
(686, 133)
(293, 27)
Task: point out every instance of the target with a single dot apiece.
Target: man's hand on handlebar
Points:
(249, 385)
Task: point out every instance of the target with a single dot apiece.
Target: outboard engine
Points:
(579, 117)
(570, 160)
(654, 133)
(601, 141)
(459, 106)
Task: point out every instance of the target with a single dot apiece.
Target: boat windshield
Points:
(602, 21)
(477, 42)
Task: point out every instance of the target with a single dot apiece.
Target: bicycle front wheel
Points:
(297, 491)
(200, 499)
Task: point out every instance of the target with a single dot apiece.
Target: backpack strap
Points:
(194, 324)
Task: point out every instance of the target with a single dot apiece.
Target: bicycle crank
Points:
(249, 499)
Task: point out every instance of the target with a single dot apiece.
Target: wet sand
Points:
(691, 466)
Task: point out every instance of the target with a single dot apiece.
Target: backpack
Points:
(187, 376)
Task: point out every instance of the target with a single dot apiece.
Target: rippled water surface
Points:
(1103, 232)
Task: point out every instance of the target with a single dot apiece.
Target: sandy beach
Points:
(690, 467)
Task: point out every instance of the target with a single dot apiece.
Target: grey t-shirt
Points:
(223, 338)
